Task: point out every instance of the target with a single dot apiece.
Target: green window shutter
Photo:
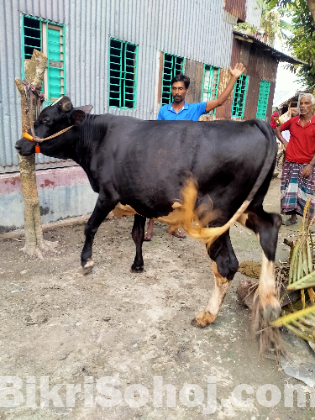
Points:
(239, 97)
(122, 74)
(210, 84)
(263, 99)
(48, 38)
(172, 66)
(55, 56)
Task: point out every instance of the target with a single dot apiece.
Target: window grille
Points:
(172, 66)
(263, 99)
(122, 74)
(210, 84)
(239, 97)
(32, 36)
(48, 38)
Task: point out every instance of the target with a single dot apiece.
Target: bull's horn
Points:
(64, 104)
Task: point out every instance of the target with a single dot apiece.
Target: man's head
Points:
(306, 103)
(180, 85)
(275, 116)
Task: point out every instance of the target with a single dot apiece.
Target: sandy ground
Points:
(133, 328)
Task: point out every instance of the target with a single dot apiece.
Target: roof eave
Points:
(267, 49)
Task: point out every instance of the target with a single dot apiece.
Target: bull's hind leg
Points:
(102, 208)
(224, 265)
(137, 236)
(266, 227)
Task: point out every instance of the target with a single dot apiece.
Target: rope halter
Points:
(40, 140)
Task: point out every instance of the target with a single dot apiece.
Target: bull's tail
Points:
(190, 220)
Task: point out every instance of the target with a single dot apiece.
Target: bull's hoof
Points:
(271, 313)
(194, 323)
(203, 319)
(88, 266)
(135, 269)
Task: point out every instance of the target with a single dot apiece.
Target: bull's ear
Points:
(77, 116)
(86, 108)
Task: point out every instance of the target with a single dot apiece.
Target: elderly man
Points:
(179, 109)
(298, 175)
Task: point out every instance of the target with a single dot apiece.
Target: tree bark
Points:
(311, 6)
(34, 241)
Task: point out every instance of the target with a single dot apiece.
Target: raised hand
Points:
(238, 70)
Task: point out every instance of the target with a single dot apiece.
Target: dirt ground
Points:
(134, 328)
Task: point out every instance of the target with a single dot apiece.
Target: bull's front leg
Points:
(137, 236)
(102, 208)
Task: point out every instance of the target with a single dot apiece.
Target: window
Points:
(48, 38)
(122, 74)
(172, 66)
(239, 97)
(263, 99)
(210, 84)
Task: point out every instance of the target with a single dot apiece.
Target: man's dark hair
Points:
(181, 78)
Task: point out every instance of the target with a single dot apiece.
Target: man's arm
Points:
(235, 74)
(280, 136)
(307, 171)
(283, 127)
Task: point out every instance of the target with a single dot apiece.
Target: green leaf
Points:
(287, 319)
(304, 282)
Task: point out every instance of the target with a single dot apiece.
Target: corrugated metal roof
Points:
(199, 30)
(292, 96)
(278, 55)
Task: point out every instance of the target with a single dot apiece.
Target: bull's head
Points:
(52, 120)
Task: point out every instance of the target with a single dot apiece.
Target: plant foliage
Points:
(302, 323)
(302, 38)
(302, 277)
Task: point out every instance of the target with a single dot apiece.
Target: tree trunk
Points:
(311, 6)
(34, 242)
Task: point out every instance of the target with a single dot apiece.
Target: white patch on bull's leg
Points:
(89, 263)
(221, 286)
(267, 284)
(87, 269)
(267, 290)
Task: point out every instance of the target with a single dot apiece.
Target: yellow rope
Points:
(39, 140)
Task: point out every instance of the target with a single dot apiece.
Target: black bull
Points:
(145, 164)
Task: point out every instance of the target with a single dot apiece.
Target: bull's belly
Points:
(172, 218)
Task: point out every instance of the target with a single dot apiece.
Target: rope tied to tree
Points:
(31, 90)
(35, 89)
